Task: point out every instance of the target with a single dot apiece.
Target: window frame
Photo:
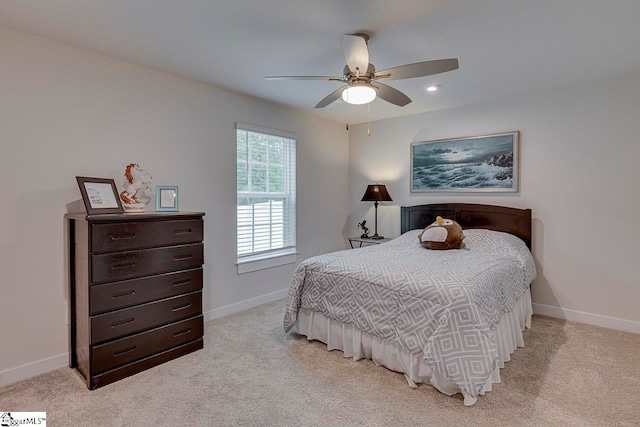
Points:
(258, 260)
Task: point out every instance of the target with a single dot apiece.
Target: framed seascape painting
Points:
(486, 163)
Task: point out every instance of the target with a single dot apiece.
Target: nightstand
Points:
(366, 240)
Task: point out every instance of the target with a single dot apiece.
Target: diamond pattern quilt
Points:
(445, 304)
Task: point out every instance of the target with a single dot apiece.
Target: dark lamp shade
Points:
(376, 193)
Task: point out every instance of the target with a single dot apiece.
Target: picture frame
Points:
(100, 195)
(487, 163)
(166, 198)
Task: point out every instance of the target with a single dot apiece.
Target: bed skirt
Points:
(358, 345)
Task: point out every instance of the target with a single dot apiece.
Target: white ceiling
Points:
(505, 47)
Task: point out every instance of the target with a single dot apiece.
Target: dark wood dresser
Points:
(135, 291)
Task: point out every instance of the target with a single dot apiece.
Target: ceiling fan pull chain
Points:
(346, 107)
(369, 119)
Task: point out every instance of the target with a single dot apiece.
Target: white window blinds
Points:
(266, 185)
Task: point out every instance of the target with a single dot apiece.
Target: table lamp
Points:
(376, 193)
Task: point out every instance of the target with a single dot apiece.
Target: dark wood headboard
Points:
(498, 218)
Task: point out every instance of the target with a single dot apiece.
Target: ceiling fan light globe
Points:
(359, 95)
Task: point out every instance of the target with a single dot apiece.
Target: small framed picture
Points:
(99, 195)
(166, 198)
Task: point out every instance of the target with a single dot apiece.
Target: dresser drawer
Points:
(99, 380)
(119, 352)
(138, 235)
(127, 321)
(112, 296)
(131, 264)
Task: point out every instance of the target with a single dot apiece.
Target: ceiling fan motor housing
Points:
(362, 78)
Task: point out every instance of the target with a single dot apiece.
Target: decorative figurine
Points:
(365, 230)
(136, 184)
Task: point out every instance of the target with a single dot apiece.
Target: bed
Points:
(446, 318)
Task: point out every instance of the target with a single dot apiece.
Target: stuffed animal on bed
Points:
(442, 234)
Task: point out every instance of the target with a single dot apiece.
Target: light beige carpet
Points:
(251, 373)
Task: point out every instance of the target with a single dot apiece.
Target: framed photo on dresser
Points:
(166, 198)
(99, 195)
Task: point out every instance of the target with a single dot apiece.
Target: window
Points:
(266, 185)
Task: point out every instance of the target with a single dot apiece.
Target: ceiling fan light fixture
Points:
(359, 94)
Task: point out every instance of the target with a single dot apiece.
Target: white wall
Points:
(579, 152)
(67, 112)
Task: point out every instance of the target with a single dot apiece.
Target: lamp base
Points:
(377, 237)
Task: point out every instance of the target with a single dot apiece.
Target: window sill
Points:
(261, 262)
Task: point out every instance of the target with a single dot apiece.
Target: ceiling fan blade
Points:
(419, 69)
(356, 53)
(391, 95)
(329, 78)
(333, 96)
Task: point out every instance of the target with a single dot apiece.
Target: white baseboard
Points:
(32, 369)
(237, 307)
(591, 319)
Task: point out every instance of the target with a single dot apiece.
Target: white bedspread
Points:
(444, 304)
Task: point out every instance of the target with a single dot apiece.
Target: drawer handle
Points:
(177, 334)
(182, 282)
(122, 322)
(182, 257)
(182, 231)
(181, 307)
(123, 293)
(123, 265)
(125, 351)
(128, 236)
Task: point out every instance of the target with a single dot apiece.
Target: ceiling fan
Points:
(362, 80)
